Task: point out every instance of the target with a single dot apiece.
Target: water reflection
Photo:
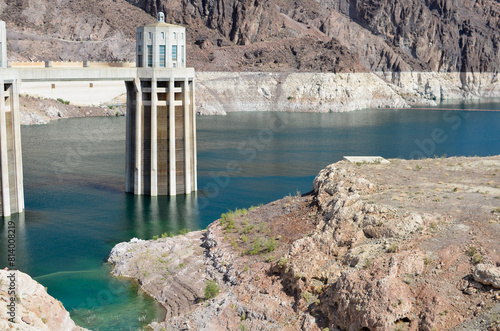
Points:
(152, 216)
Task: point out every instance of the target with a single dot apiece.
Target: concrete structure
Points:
(11, 169)
(161, 45)
(161, 127)
(161, 123)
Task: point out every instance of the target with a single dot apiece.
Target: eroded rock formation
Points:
(34, 309)
(410, 245)
(271, 35)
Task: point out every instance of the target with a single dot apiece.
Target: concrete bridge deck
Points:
(27, 74)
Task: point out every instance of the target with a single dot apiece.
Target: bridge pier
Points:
(11, 169)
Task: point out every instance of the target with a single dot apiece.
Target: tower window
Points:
(150, 55)
(139, 48)
(174, 52)
(162, 56)
(182, 53)
(163, 35)
(175, 35)
(151, 35)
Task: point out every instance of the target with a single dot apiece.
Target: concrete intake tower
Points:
(160, 125)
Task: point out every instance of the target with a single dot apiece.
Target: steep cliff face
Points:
(71, 30)
(402, 35)
(242, 22)
(270, 35)
(442, 35)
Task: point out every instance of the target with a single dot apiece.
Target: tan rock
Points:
(487, 274)
(35, 308)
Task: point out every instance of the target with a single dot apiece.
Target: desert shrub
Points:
(211, 289)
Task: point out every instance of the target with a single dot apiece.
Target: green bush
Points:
(230, 225)
(271, 244)
(471, 251)
(211, 289)
(282, 262)
(256, 247)
(248, 228)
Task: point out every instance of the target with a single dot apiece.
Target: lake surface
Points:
(76, 208)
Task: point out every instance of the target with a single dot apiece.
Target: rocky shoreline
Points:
(219, 93)
(34, 308)
(410, 245)
(37, 110)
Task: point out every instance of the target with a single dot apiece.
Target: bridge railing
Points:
(69, 64)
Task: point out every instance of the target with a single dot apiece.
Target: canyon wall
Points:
(223, 92)
(269, 35)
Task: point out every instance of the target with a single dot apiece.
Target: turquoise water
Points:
(76, 210)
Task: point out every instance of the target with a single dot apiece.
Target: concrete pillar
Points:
(130, 137)
(11, 167)
(187, 137)
(154, 136)
(18, 156)
(138, 139)
(3, 45)
(4, 159)
(193, 134)
(172, 183)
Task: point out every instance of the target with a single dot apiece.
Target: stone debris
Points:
(487, 274)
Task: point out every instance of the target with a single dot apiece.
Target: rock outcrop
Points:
(487, 274)
(36, 110)
(410, 245)
(169, 269)
(71, 30)
(35, 309)
(224, 92)
(403, 35)
(262, 35)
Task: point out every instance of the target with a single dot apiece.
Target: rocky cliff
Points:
(270, 35)
(223, 92)
(35, 310)
(71, 30)
(410, 245)
(403, 35)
